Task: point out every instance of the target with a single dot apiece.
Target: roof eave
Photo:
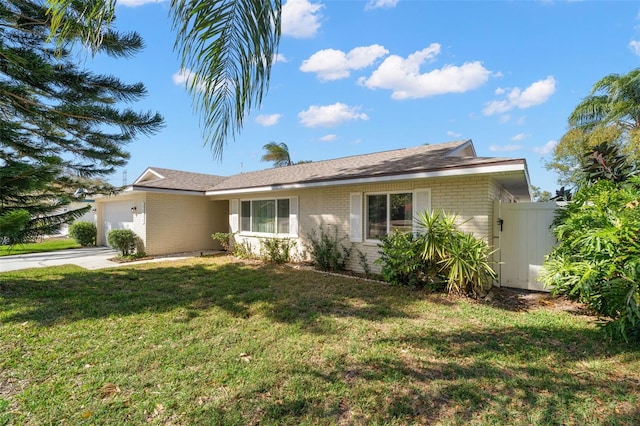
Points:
(167, 190)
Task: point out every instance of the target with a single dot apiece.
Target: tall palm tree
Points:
(227, 45)
(614, 100)
(609, 114)
(278, 153)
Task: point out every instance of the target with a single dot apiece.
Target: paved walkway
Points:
(86, 257)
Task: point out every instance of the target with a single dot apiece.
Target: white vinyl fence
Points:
(522, 233)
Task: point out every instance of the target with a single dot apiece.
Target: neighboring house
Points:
(89, 216)
(364, 196)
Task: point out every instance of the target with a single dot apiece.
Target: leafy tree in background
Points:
(60, 128)
(277, 153)
(538, 195)
(227, 46)
(597, 258)
(610, 113)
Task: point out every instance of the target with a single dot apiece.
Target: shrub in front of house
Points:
(327, 251)
(84, 233)
(276, 250)
(402, 262)
(441, 253)
(224, 238)
(243, 250)
(124, 240)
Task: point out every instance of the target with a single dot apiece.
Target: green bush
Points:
(402, 262)
(12, 225)
(276, 250)
(597, 258)
(327, 251)
(224, 238)
(84, 233)
(440, 252)
(124, 240)
(462, 258)
(243, 250)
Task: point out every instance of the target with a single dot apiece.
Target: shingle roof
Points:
(175, 179)
(386, 163)
(427, 158)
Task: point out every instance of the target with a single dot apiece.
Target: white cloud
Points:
(328, 138)
(381, 4)
(453, 134)
(634, 45)
(547, 148)
(268, 119)
(332, 64)
(135, 3)
(279, 57)
(537, 93)
(520, 136)
(504, 148)
(403, 76)
(330, 115)
(301, 18)
(185, 77)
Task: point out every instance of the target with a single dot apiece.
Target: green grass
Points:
(52, 244)
(213, 341)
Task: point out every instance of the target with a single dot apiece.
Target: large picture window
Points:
(266, 216)
(387, 213)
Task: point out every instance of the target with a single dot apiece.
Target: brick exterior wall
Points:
(178, 223)
(469, 197)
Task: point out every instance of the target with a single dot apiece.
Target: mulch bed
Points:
(524, 300)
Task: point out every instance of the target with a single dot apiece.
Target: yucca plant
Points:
(467, 265)
(461, 257)
(438, 229)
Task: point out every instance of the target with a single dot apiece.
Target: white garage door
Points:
(117, 216)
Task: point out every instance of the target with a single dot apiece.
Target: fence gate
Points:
(523, 235)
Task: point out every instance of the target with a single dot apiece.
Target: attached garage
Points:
(117, 215)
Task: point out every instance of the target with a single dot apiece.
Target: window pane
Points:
(401, 212)
(376, 216)
(264, 216)
(283, 216)
(245, 215)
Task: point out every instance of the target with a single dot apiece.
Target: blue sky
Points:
(354, 77)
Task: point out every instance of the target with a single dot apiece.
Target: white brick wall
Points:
(470, 198)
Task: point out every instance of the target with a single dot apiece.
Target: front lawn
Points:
(50, 244)
(215, 341)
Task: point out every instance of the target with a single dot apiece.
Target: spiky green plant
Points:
(442, 250)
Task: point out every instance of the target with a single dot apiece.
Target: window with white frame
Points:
(376, 214)
(268, 216)
(387, 213)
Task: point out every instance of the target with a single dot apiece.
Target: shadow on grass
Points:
(65, 294)
(484, 377)
(416, 376)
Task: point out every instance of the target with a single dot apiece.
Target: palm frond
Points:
(228, 46)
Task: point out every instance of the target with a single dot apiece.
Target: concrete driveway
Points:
(86, 257)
